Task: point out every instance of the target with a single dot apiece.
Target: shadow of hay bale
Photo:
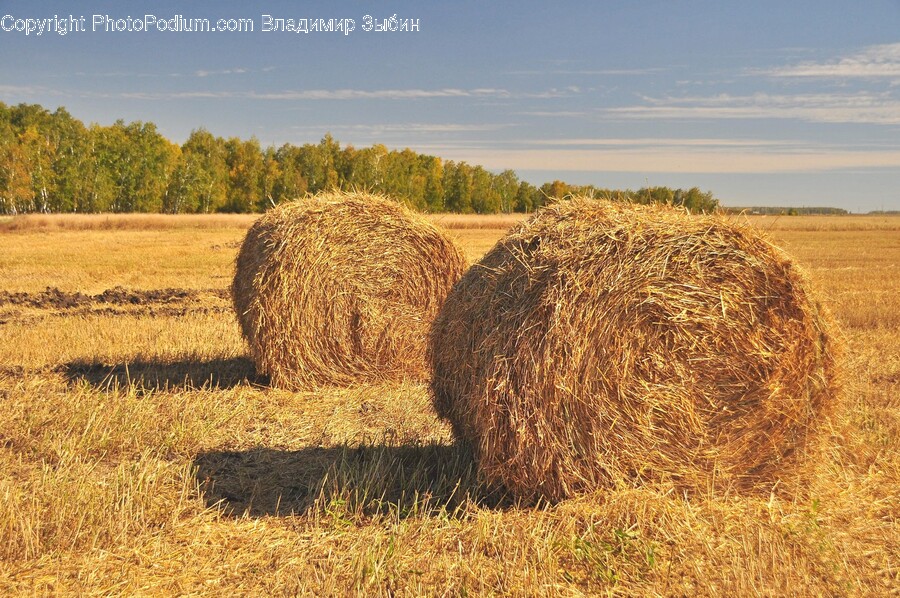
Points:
(150, 375)
(363, 480)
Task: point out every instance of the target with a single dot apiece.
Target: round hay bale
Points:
(601, 344)
(339, 289)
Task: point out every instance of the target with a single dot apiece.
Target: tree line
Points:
(784, 211)
(51, 162)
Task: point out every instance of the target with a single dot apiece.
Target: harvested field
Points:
(143, 454)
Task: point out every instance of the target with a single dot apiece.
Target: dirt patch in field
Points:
(48, 298)
(11, 371)
(15, 307)
(229, 245)
(54, 298)
(13, 315)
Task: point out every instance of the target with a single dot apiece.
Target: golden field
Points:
(140, 453)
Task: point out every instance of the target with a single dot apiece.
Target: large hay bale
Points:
(600, 344)
(341, 288)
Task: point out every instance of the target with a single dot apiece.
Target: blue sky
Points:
(763, 103)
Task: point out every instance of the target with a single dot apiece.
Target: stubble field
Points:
(141, 454)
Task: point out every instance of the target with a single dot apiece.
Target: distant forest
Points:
(781, 211)
(51, 162)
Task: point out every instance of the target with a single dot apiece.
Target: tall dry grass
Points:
(77, 222)
(472, 221)
(70, 222)
(872, 222)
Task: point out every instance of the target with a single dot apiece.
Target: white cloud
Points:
(872, 62)
(237, 71)
(554, 113)
(652, 142)
(862, 107)
(387, 94)
(324, 94)
(360, 94)
(589, 72)
(402, 128)
(675, 160)
(26, 90)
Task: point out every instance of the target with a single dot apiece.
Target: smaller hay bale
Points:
(340, 288)
(602, 344)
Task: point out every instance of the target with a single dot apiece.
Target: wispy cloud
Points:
(336, 94)
(550, 93)
(674, 160)
(862, 107)
(285, 95)
(201, 73)
(27, 90)
(882, 61)
(381, 94)
(235, 71)
(554, 113)
(114, 75)
(655, 142)
(404, 128)
(588, 72)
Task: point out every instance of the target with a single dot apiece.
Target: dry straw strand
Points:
(601, 344)
(340, 288)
